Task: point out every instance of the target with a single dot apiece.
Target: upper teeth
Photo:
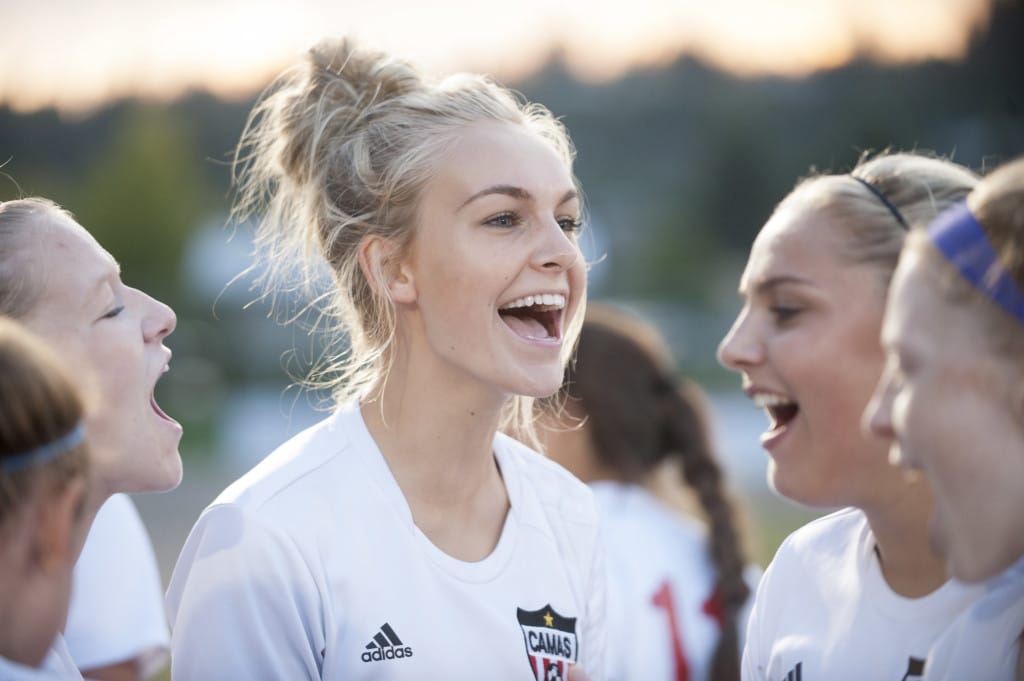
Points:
(555, 299)
(766, 400)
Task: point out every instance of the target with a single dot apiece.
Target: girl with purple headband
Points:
(856, 594)
(952, 400)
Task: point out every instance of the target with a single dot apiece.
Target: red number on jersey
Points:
(663, 599)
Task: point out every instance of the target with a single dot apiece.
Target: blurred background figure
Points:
(44, 467)
(951, 400)
(640, 436)
(117, 627)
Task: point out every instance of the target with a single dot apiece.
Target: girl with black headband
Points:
(952, 399)
(43, 485)
(857, 594)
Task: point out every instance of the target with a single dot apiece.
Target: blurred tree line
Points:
(680, 165)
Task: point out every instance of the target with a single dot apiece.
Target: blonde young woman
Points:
(404, 537)
(859, 593)
(952, 398)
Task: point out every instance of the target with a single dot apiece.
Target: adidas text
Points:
(389, 653)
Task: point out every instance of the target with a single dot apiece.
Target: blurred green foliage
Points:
(143, 195)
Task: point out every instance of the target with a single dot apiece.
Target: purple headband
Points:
(960, 238)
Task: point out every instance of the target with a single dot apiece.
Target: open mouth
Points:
(536, 317)
(780, 410)
(156, 407)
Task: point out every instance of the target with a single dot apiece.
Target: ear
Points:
(388, 274)
(58, 520)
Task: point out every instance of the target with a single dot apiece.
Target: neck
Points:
(438, 439)
(909, 564)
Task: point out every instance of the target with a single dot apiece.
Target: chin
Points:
(172, 471)
(159, 475)
(794, 493)
(536, 386)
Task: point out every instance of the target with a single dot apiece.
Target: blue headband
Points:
(50, 450)
(960, 238)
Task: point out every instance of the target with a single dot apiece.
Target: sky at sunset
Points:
(77, 54)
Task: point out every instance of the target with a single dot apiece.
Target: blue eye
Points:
(504, 220)
(571, 225)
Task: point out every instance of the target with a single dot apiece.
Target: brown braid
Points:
(684, 420)
(639, 415)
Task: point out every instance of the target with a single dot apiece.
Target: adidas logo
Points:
(385, 646)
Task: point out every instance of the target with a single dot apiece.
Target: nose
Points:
(158, 320)
(557, 249)
(740, 348)
(877, 417)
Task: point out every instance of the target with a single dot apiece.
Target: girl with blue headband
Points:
(952, 400)
(43, 485)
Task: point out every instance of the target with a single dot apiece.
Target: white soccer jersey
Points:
(984, 642)
(824, 611)
(117, 605)
(662, 620)
(310, 567)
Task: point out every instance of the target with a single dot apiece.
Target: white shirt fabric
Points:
(117, 605)
(12, 671)
(823, 610)
(57, 665)
(661, 624)
(311, 567)
(984, 642)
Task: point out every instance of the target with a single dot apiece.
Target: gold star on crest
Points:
(548, 619)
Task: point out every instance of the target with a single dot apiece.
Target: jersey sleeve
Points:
(243, 603)
(117, 607)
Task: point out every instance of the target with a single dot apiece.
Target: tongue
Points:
(527, 327)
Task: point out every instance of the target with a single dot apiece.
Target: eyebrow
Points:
(104, 279)
(767, 285)
(515, 193)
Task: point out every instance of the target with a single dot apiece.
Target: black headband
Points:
(888, 204)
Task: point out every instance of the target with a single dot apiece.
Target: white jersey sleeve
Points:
(117, 608)
(244, 605)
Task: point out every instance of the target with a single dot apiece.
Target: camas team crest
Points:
(551, 644)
